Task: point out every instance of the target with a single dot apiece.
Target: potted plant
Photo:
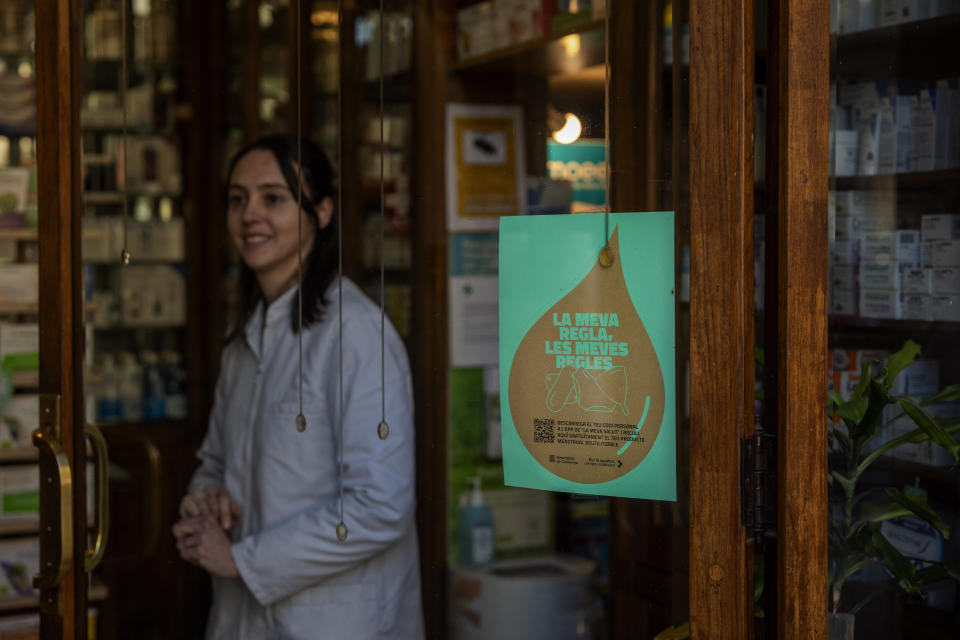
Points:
(855, 537)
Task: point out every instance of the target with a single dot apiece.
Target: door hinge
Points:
(759, 468)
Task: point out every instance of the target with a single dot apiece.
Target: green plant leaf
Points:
(854, 410)
(843, 440)
(930, 426)
(917, 435)
(887, 512)
(834, 400)
(864, 383)
(758, 355)
(938, 571)
(900, 361)
(877, 400)
(920, 509)
(845, 482)
(899, 566)
(945, 395)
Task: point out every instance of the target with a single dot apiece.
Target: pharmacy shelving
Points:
(905, 60)
(542, 54)
(97, 593)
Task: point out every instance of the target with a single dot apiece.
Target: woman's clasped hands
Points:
(206, 516)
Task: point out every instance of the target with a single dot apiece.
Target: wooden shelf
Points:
(907, 181)
(12, 309)
(132, 327)
(18, 234)
(543, 56)
(132, 129)
(25, 527)
(856, 323)
(94, 198)
(26, 455)
(97, 593)
(26, 379)
(910, 34)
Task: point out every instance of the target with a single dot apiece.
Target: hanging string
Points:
(606, 253)
(383, 429)
(125, 254)
(301, 420)
(341, 526)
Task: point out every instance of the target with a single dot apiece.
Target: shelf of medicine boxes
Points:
(97, 593)
(95, 198)
(543, 56)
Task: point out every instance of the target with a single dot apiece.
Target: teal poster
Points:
(587, 354)
(584, 164)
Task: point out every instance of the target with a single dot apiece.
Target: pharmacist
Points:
(262, 510)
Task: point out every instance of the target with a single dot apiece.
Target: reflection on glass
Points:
(625, 560)
(895, 281)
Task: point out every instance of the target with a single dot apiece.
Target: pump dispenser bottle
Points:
(476, 529)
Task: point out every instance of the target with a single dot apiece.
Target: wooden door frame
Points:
(63, 610)
(802, 82)
(721, 312)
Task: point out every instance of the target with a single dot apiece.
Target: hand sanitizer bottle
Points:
(131, 387)
(476, 529)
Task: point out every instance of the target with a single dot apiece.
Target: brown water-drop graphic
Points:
(593, 414)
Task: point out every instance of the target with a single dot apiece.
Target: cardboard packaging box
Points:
(945, 281)
(946, 253)
(917, 281)
(18, 419)
(153, 295)
(844, 253)
(843, 302)
(946, 308)
(917, 307)
(20, 346)
(879, 303)
(940, 227)
(19, 284)
(854, 359)
(901, 247)
(843, 277)
(19, 561)
(880, 275)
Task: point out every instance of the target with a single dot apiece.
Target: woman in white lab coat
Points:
(262, 510)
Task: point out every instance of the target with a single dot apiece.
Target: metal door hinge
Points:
(759, 468)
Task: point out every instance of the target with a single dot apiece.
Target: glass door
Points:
(894, 318)
(659, 128)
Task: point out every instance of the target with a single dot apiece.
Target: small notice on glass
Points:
(587, 354)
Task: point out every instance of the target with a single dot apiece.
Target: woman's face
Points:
(262, 218)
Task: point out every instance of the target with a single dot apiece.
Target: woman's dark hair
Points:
(320, 265)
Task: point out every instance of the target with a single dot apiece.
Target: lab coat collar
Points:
(277, 311)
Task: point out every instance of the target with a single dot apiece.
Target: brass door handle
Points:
(53, 572)
(102, 489)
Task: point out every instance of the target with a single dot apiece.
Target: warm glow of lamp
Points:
(571, 44)
(570, 131)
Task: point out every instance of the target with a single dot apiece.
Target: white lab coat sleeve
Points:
(211, 452)
(378, 480)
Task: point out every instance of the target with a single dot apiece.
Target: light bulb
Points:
(570, 131)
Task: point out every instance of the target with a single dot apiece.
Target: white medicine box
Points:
(940, 227)
(19, 561)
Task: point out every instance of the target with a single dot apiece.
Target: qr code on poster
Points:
(543, 430)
